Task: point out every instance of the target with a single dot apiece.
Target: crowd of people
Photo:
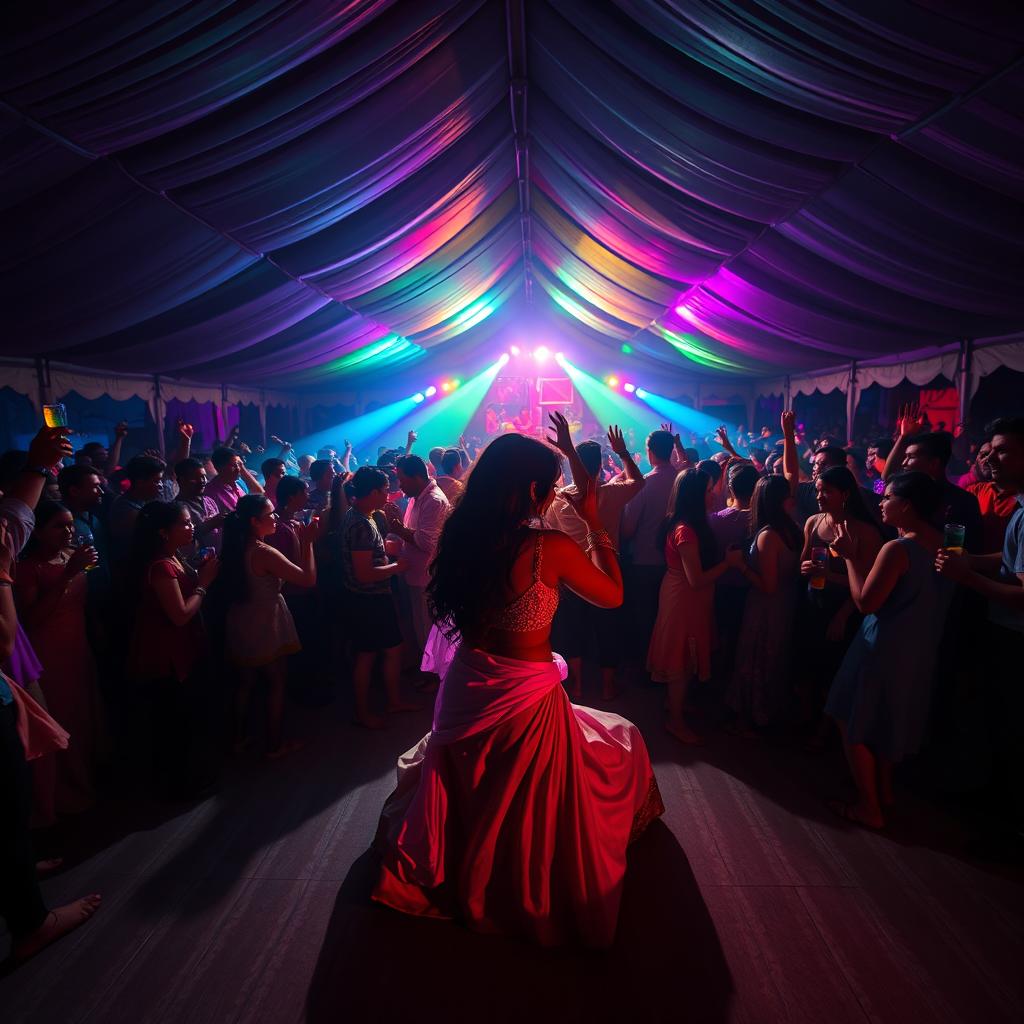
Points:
(161, 614)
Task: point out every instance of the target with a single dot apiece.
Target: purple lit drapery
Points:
(265, 192)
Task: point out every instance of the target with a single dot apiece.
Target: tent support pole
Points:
(963, 378)
(158, 417)
(43, 380)
(851, 401)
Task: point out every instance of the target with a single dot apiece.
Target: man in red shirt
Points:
(997, 501)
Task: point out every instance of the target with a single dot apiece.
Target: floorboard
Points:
(749, 902)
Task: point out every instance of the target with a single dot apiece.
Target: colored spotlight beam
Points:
(359, 431)
(607, 405)
(682, 417)
(442, 421)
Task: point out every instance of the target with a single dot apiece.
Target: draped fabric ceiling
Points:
(299, 194)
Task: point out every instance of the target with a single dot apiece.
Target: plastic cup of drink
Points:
(206, 553)
(953, 537)
(55, 415)
(819, 557)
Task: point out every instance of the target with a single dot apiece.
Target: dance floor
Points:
(749, 902)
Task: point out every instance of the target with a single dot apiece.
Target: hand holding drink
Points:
(953, 538)
(819, 560)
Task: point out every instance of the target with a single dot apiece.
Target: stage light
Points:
(455, 383)
(503, 361)
(514, 350)
(612, 382)
(640, 393)
(541, 354)
(446, 386)
(629, 387)
(431, 391)
(418, 397)
(626, 349)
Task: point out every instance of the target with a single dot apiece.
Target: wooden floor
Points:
(749, 902)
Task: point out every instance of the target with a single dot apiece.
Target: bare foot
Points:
(374, 722)
(56, 925)
(856, 815)
(47, 867)
(404, 705)
(684, 733)
(286, 748)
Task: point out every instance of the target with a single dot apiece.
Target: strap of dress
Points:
(537, 556)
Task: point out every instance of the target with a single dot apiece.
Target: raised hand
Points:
(788, 423)
(348, 445)
(412, 436)
(186, 429)
(667, 427)
(845, 544)
(617, 442)
(49, 446)
(121, 430)
(563, 437)
(911, 420)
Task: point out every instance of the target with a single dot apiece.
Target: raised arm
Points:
(790, 459)
(184, 447)
(618, 445)
(48, 447)
(252, 485)
(114, 455)
(910, 422)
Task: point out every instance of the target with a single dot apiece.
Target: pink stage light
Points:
(514, 350)
(629, 387)
(541, 354)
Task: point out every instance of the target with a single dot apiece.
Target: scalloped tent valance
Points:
(301, 195)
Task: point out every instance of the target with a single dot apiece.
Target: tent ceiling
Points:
(299, 193)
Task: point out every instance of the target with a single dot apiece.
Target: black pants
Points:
(643, 587)
(21, 902)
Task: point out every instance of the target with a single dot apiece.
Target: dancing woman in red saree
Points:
(514, 813)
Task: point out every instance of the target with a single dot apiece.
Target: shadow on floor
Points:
(666, 964)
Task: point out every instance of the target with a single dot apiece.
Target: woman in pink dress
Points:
(514, 813)
(681, 642)
(50, 589)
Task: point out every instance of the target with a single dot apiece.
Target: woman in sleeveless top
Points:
(167, 697)
(259, 631)
(761, 690)
(881, 695)
(514, 813)
(50, 588)
(828, 618)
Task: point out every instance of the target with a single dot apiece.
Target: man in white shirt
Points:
(576, 619)
(420, 532)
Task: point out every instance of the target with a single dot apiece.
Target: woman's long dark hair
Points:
(147, 544)
(843, 480)
(470, 575)
(768, 508)
(688, 504)
(232, 581)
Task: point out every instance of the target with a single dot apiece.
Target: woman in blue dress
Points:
(881, 693)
